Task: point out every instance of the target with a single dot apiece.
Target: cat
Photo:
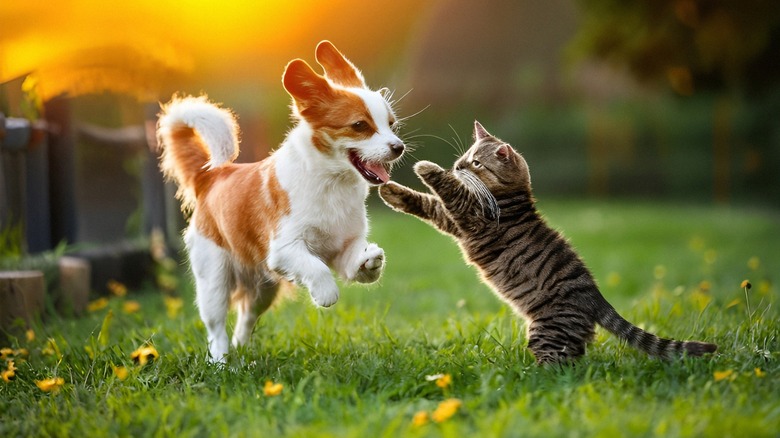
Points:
(485, 202)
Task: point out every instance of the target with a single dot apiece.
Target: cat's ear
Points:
(480, 132)
(503, 151)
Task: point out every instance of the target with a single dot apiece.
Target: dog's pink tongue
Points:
(378, 170)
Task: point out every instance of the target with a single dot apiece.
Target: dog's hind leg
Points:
(251, 302)
(214, 280)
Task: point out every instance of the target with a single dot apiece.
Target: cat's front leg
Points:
(441, 182)
(423, 205)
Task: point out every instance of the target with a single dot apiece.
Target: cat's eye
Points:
(476, 164)
(360, 126)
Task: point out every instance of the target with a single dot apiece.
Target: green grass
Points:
(359, 369)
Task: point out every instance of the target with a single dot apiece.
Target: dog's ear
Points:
(338, 68)
(304, 85)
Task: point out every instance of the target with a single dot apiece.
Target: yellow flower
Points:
(120, 372)
(613, 279)
(22, 352)
(10, 373)
(97, 304)
(131, 306)
(144, 355)
(116, 288)
(51, 349)
(6, 352)
(272, 389)
(30, 335)
(746, 284)
(759, 373)
(172, 306)
(446, 409)
(723, 375)
(420, 418)
(705, 286)
(444, 381)
(50, 385)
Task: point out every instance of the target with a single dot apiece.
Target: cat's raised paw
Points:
(424, 168)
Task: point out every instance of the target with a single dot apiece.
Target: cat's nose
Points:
(396, 148)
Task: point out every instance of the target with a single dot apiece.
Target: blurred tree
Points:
(692, 45)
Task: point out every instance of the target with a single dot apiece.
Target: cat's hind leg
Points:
(559, 340)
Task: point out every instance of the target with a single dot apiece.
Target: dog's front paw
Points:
(424, 168)
(372, 262)
(326, 294)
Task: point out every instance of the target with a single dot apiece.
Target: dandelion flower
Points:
(613, 279)
(6, 353)
(30, 335)
(723, 375)
(116, 288)
(131, 306)
(759, 372)
(272, 389)
(120, 372)
(10, 373)
(21, 352)
(144, 355)
(51, 349)
(7, 375)
(172, 306)
(746, 284)
(444, 381)
(50, 385)
(446, 409)
(420, 419)
(97, 304)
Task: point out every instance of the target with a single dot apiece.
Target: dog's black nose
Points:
(397, 148)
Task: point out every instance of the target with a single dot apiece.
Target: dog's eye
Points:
(476, 164)
(360, 126)
(392, 124)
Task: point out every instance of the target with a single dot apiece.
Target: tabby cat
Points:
(486, 203)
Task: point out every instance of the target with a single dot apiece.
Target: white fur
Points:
(216, 126)
(325, 229)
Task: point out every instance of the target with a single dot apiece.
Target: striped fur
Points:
(486, 203)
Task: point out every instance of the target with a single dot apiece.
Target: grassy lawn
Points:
(359, 369)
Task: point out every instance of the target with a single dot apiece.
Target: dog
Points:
(293, 216)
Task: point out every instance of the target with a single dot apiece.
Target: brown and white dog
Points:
(295, 215)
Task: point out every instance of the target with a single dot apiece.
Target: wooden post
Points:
(22, 294)
(73, 293)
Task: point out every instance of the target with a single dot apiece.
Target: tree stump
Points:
(21, 300)
(73, 293)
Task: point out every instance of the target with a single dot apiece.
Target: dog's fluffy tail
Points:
(196, 136)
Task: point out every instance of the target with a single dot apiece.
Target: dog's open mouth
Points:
(375, 173)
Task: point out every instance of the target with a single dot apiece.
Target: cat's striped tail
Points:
(648, 342)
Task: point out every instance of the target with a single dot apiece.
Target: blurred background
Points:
(673, 100)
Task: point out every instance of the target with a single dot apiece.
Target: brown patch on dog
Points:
(239, 207)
